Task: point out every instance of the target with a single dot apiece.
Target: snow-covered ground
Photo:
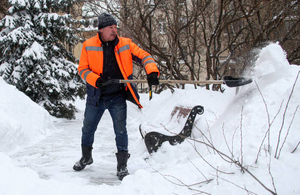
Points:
(248, 128)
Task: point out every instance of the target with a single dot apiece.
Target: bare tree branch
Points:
(277, 153)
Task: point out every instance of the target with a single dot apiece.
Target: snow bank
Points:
(262, 122)
(238, 126)
(271, 59)
(22, 121)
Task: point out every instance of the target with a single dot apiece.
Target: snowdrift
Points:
(22, 121)
(245, 141)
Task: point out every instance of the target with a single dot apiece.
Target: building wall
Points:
(77, 49)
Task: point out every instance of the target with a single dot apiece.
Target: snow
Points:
(36, 51)
(37, 152)
(21, 120)
(20, 2)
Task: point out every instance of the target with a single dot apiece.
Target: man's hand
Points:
(152, 79)
(99, 82)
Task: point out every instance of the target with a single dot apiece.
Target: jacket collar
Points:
(114, 42)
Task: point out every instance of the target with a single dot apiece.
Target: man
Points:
(104, 57)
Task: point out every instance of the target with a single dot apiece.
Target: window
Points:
(181, 2)
(164, 50)
(183, 53)
(162, 27)
(95, 23)
(183, 20)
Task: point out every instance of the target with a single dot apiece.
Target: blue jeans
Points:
(117, 107)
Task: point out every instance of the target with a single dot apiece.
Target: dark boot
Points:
(122, 158)
(86, 158)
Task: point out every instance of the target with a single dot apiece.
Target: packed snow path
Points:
(54, 157)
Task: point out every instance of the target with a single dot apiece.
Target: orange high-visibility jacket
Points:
(91, 61)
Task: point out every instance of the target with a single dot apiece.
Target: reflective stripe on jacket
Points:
(91, 62)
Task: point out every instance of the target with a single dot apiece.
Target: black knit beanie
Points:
(105, 20)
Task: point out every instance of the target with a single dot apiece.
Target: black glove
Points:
(152, 79)
(100, 82)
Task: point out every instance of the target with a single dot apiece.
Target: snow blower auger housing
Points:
(154, 140)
